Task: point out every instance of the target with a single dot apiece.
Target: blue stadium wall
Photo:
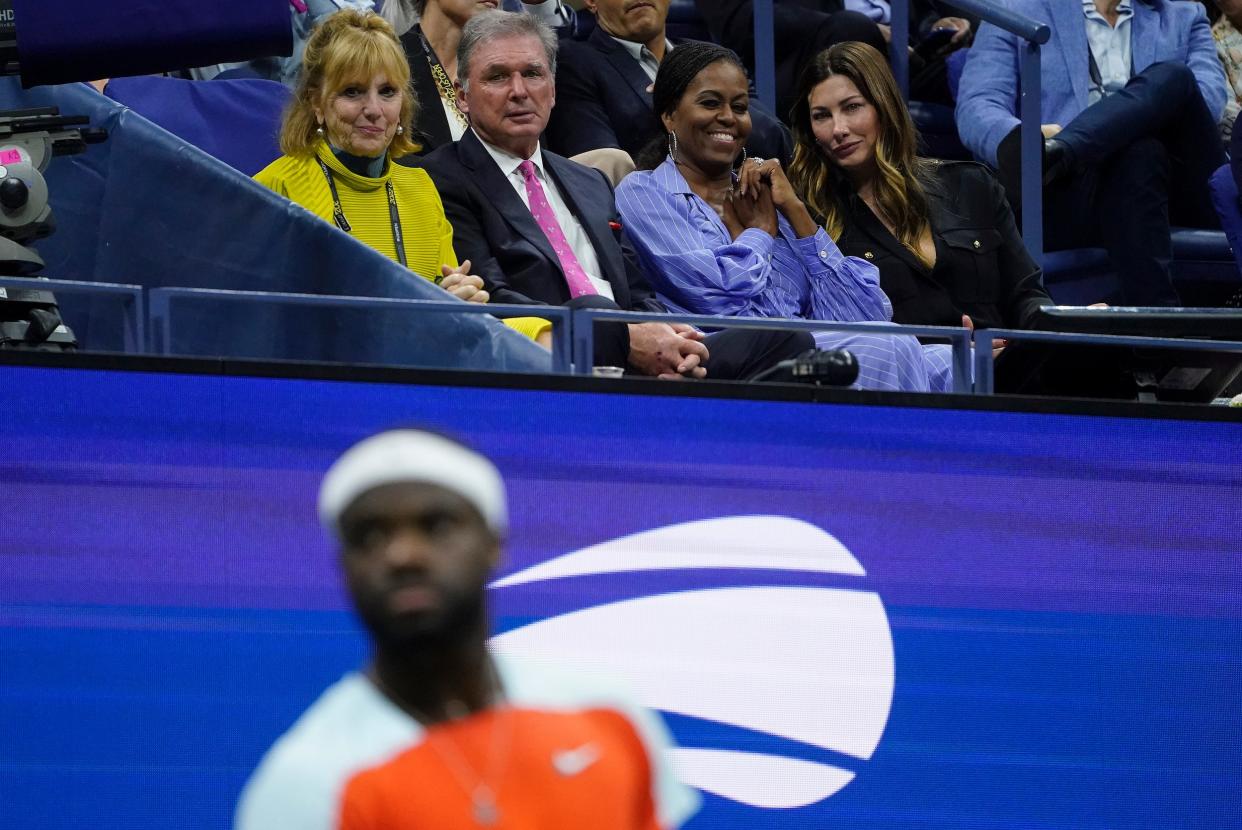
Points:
(998, 618)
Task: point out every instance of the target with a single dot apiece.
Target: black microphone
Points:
(817, 367)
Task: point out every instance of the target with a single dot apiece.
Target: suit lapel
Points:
(1069, 30)
(625, 65)
(497, 188)
(1143, 36)
(592, 214)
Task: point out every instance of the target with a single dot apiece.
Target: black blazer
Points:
(982, 267)
(495, 231)
(602, 101)
(432, 124)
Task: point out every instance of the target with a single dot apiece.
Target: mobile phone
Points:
(936, 40)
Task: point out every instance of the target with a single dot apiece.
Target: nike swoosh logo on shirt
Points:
(571, 762)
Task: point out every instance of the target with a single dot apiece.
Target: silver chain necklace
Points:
(479, 788)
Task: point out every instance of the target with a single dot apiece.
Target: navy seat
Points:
(938, 131)
(1224, 190)
(1203, 261)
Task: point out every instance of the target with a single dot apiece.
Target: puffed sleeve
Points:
(690, 259)
(842, 288)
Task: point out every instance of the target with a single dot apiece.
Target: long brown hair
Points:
(900, 187)
(346, 46)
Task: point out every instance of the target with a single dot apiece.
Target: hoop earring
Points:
(743, 161)
(672, 145)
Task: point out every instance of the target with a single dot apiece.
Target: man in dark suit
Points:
(430, 31)
(604, 86)
(543, 230)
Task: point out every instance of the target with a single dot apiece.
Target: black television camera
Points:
(29, 139)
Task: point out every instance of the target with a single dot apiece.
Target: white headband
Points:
(408, 455)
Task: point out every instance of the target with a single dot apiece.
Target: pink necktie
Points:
(579, 283)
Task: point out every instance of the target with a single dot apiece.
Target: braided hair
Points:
(677, 71)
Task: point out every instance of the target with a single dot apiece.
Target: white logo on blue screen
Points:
(806, 666)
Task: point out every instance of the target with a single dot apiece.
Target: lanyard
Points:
(338, 213)
(443, 84)
(1093, 69)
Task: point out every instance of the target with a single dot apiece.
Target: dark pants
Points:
(740, 354)
(1142, 157)
(734, 354)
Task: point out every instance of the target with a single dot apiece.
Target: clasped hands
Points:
(669, 352)
(762, 189)
(462, 284)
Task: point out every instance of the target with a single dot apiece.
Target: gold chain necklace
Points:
(444, 84)
(447, 92)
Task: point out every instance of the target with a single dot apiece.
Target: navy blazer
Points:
(602, 100)
(495, 230)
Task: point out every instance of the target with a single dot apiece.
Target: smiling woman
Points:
(351, 116)
(717, 237)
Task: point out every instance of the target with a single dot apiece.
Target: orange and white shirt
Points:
(555, 756)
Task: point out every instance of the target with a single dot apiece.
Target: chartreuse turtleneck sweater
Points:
(364, 199)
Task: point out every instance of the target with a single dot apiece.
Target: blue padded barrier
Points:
(236, 120)
(146, 207)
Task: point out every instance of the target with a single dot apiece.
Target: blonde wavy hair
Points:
(348, 47)
(900, 187)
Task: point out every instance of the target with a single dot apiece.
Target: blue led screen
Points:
(852, 616)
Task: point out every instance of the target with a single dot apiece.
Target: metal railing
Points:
(765, 54)
(1034, 34)
(583, 329)
(985, 363)
(134, 335)
(161, 299)
(149, 322)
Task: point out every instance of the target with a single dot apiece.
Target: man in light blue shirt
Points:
(1131, 91)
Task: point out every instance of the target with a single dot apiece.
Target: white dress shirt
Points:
(1110, 46)
(510, 165)
(645, 57)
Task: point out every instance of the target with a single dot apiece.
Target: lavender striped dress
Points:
(697, 267)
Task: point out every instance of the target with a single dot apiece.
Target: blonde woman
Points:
(350, 118)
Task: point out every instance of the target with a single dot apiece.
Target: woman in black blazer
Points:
(940, 233)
